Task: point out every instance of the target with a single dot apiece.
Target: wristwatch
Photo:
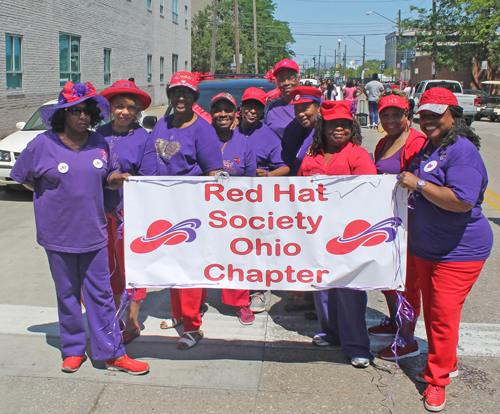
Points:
(420, 185)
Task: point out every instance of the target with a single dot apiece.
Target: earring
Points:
(407, 129)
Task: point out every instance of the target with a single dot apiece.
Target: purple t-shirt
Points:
(293, 138)
(303, 151)
(193, 150)
(391, 165)
(68, 196)
(238, 157)
(278, 116)
(134, 153)
(265, 144)
(440, 235)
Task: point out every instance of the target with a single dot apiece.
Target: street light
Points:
(363, 69)
(398, 23)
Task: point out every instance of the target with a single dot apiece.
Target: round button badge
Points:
(430, 166)
(98, 163)
(63, 168)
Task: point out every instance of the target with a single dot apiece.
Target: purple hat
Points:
(72, 95)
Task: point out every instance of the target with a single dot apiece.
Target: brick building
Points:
(46, 42)
(422, 68)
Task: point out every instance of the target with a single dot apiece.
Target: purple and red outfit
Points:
(278, 116)
(341, 312)
(134, 153)
(71, 226)
(396, 163)
(449, 248)
(188, 151)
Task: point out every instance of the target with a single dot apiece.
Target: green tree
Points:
(273, 37)
(460, 34)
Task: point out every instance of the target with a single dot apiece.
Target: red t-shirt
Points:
(349, 160)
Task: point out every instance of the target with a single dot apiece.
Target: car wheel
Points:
(477, 117)
(493, 118)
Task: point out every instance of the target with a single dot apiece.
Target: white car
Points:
(12, 145)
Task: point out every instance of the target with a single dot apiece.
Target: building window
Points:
(150, 64)
(149, 5)
(175, 59)
(175, 16)
(161, 7)
(107, 66)
(186, 65)
(162, 65)
(186, 18)
(14, 62)
(69, 59)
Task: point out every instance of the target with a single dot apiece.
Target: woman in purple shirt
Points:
(449, 238)
(186, 145)
(134, 152)
(67, 167)
(239, 160)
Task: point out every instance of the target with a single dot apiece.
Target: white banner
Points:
(285, 233)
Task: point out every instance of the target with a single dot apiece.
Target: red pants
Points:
(412, 286)
(445, 285)
(116, 258)
(235, 297)
(186, 304)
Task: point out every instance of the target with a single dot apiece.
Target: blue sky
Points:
(308, 18)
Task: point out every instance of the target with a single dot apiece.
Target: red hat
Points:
(336, 110)
(437, 100)
(286, 64)
(126, 86)
(223, 95)
(254, 93)
(302, 94)
(392, 100)
(183, 78)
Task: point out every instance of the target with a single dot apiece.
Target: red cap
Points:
(336, 110)
(286, 64)
(126, 86)
(437, 100)
(223, 95)
(392, 100)
(255, 94)
(183, 78)
(302, 94)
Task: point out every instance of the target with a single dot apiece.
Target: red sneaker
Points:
(403, 350)
(128, 365)
(385, 328)
(245, 315)
(434, 398)
(72, 363)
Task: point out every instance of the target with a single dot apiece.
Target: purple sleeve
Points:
(112, 166)
(275, 160)
(148, 162)
(466, 183)
(209, 157)
(23, 170)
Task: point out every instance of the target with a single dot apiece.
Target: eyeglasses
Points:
(77, 111)
(177, 93)
(283, 79)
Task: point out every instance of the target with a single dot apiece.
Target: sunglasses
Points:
(77, 111)
(177, 93)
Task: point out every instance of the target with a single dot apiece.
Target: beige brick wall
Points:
(126, 27)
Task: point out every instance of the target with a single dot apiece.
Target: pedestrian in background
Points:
(134, 152)
(372, 91)
(449, 238)
(68, 167)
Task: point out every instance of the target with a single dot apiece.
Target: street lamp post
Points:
(363, 68)
(398, 33)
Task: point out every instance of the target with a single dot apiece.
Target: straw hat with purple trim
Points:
(304, 94)
(437, 100)
(126, 86)
(72, 95)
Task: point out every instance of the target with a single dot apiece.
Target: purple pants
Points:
(74, 273)
(341, 314)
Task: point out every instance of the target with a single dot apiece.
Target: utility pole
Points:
(319, 62)
(363, 68)
(433, 28)
(237, 37)
(398, 34)
(214, 39)
(345, 62)
(255, 37)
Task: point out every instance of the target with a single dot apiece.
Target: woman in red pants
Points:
(450, 238)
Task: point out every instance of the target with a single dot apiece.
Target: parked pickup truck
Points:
(465, 101)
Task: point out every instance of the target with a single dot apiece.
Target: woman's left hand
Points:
(116, 180)
(261, 173)
(407, 180)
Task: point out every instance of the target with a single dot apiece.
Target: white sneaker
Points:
(258, 302)
(420, 376)
(360, 362)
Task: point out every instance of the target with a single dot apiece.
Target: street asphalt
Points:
(268, 367)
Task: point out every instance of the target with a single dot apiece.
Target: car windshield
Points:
(452, 86)
(35, 123)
